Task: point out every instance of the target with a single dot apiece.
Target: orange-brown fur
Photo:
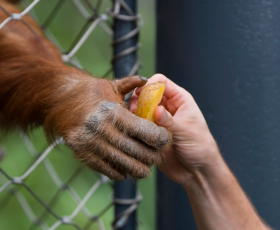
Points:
(37, 89)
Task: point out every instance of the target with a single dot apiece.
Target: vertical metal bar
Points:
(227, 55)
(122, 67)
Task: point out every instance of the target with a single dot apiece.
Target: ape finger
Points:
(130, 146)
(101, 166)
(117, 159)
(142, 129)
(128, 84)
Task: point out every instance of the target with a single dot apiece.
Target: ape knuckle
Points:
(107, 106)
(163, 139)
(79, 139)
(156, 158)
(71, 138)
(105, 110)
(94, 122)
(118, 178)
(146, 160)
(150, 160)
(142, 173)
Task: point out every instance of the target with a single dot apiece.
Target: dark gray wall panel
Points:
(227, 55)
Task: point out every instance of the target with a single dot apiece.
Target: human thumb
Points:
(163, 118)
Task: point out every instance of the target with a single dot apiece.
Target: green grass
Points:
(95, 56)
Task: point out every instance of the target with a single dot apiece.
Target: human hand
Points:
(194, 148)
(195, 162)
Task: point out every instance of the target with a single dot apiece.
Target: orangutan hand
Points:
(112, 140)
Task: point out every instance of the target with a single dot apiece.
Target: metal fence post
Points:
(125, 63)
(227, 55)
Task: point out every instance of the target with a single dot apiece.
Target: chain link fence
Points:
(42, 183)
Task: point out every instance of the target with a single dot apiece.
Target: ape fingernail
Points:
(143, 78)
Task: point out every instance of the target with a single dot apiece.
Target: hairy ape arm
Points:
(36, 89)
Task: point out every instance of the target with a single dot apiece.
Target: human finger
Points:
(133, 103)
(163, 118)
(174, 96)
(171, 89)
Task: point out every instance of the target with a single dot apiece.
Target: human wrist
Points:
(217, 198)
(212, 173)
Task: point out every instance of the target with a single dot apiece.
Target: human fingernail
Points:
(132, 108)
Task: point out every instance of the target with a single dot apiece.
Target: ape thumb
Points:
(163, 118)
(128, 84)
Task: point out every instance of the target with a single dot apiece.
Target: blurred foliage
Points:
(95, 56)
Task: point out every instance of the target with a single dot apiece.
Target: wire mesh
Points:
(48, 212)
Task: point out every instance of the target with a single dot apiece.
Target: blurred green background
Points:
(95, 56)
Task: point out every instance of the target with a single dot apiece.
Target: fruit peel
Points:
(149, 99)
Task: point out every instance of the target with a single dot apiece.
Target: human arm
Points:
(217, 200)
